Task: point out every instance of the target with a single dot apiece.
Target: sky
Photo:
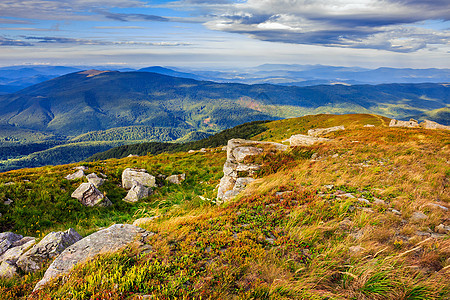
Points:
(226, 33)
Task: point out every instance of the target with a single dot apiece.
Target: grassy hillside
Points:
(295, 233)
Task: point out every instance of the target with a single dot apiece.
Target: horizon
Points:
(226, 34)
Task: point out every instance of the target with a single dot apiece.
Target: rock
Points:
(133, 155)
(78, 174)
(435, 205)
(139, 175)
(9, 183)
(50, 246)
(427, 124)
(7, 239)
(95, 180)
(192, 151)
(408, 124)
(89, 195)
(238, 174)
(345, 224)
(329, 186)
(143, 221)
(176, 179)
(322, 131)
(106, 240)
(305, 140)
(442, 229)
(369, 125)
(224, 148)
(8, 201)
(379, 202)
(84, 168)
(394, 211)
(17, 249)
(418, 216)
(137, 192)
(8, 270)
(363, 200)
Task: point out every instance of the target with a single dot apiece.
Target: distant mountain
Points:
(170, 72)
(93, 100)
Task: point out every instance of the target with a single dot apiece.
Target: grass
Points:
(290, 235)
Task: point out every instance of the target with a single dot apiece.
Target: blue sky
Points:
(226, 33)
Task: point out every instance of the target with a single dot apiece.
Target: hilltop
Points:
(361, 216)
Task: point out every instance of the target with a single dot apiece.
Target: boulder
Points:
(139, 175)
(8, 270)
(442, 229)
(369, 125)
(242, 182)
(18, 248)
(84, 168)
(176, 179)
(89, 195)
(95, 180)
(50, 246)
(240, 153)
(137, 192)
(7, 239)
(78, 174)
(427, 124)
(226, 184)
(305, 140)
(408, 124)
(106, 240)
(418, 216)
(133, 155)
(245, 148)
(322, 131)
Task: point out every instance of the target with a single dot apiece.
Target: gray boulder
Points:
(7, 270)
(89, 195)
(305, 140)
(408, 124)
(18, 248)
(322, 131)
(95, 180)
(50, 246)
(78, 174)
(139, 175)
(176, 179)
(137, 192)
(427, 124)
(106, 240)
(7, 239)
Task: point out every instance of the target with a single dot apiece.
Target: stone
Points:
(8, 201)
(49, 247)
(230, 195)
(240, 153)
(242, 182)
(7, 239)
(305, 140)
(379, 202)
(139, 175)
(17, 249)
(106, 240)
(322, 131)
(142, 221)
(9, 183)
(226, 184)
(176, 179)
(442, 229)
(137, 192)
(329, 186)
(89, 195)
(191, 151)
(427, 124)
(8, 270)
(394, 211)
(369, 125)
(363, 200)
(78, 174)
(95, 180)
(345, 224)
(84, 168)
(435, 205)
(133, 155)
(224, 148)
(418, 216)
(408, 124)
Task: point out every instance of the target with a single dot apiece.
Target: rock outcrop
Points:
(103, 241)
(176, 179)
(408, 124)
(139, 175)
(427, 124)
(89, 195)
(7, 239)
(137, 192)
(8, 259)
(95, 180)
(78, 174)
(305, 140)
(322, 131)
(237, 173)
(50, 246)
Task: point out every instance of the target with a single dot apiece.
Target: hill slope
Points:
(353, 218)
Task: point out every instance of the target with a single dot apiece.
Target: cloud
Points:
(393, 25)
(10, 42)
(132, 17)
(118, 27)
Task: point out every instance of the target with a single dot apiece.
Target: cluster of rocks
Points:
(312, 137)
(66, 249)
(18, 252)
(237, 174)
(427, 124)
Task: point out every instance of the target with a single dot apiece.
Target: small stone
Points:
(369, 125)
(192, 151)
(367, 209)
(133, 155)
(363, 200)
(78, 174)
(379, 202)
(95, 180)
(176, 179)
(83, 168)
(418, 216)
(329, 186)
(439, 206)
(9, 183)
(8, 202)
(442, 229)
(395, 211)
(203, 150)
(137, 192)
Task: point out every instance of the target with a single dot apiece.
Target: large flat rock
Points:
(106, 240)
